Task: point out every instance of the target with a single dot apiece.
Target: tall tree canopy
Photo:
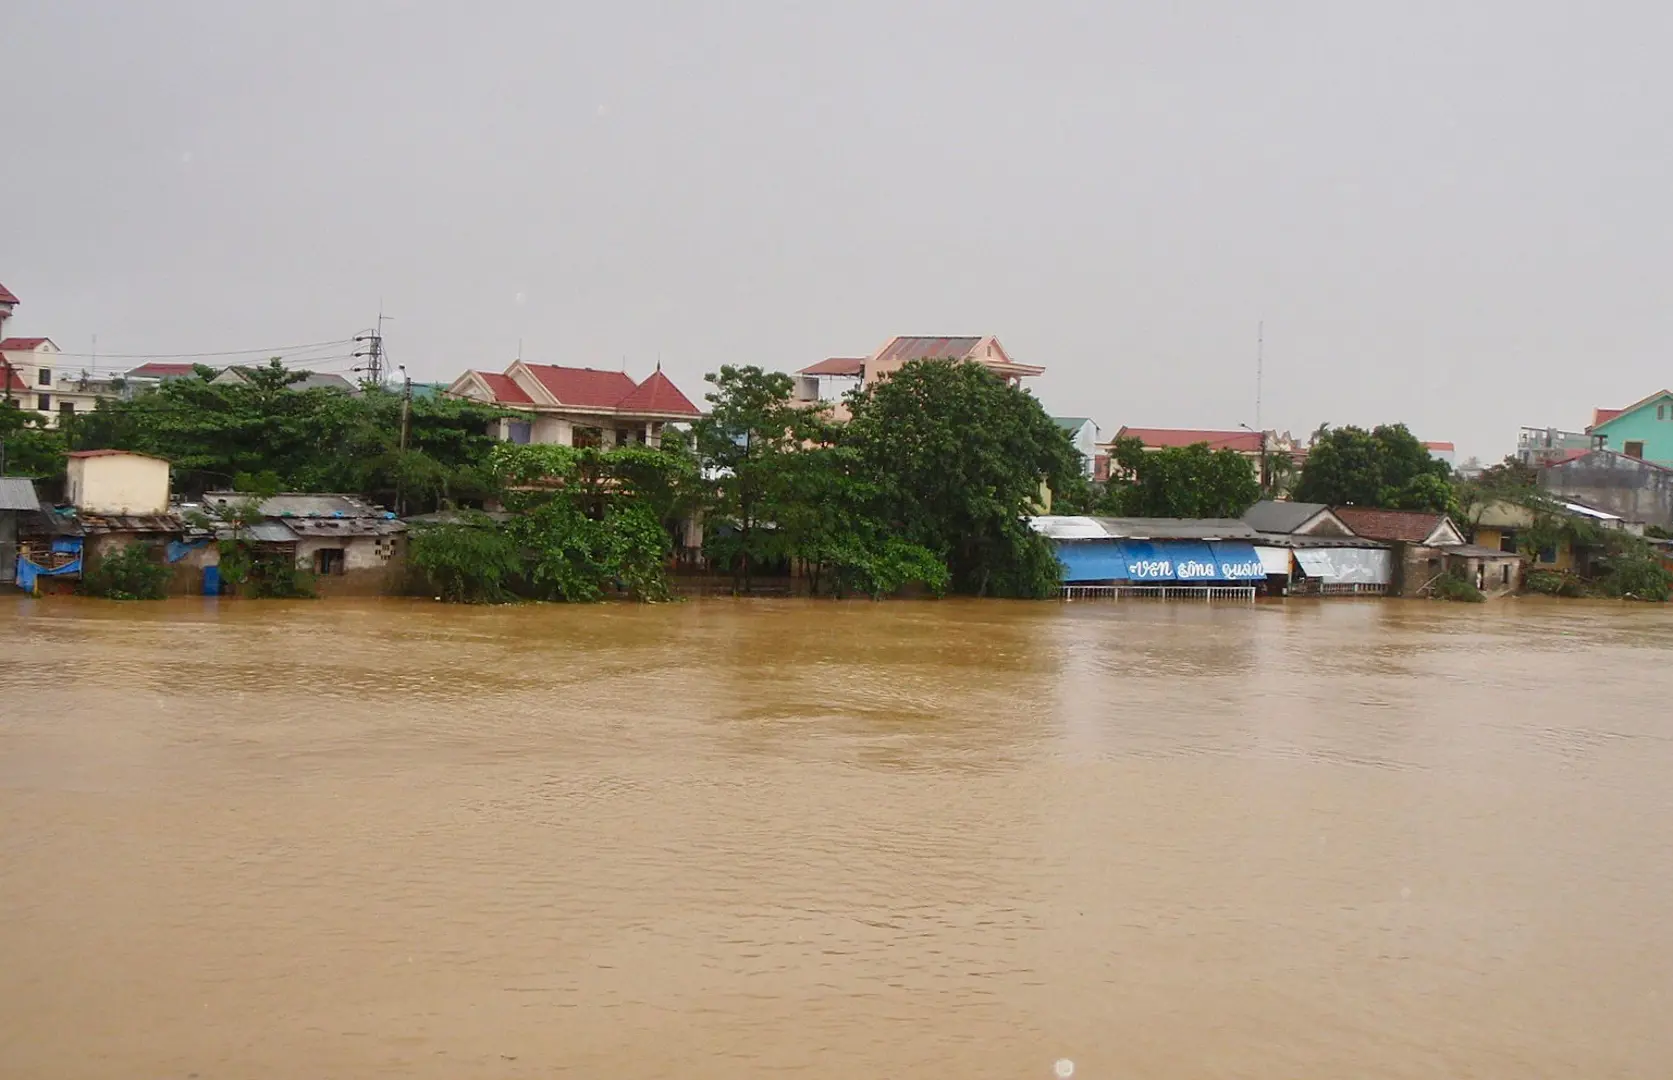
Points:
(1179, 481)
(959, 458)
(1385, 467)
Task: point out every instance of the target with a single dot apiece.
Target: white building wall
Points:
(118, 484)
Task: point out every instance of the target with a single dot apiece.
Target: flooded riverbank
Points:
(729, 838)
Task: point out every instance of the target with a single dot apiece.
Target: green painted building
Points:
(1643, 429)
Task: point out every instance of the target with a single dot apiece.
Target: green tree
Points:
(311, 440)
(746, 444)
(27, 446)
(1385, 467)
(960, 458)
(1187, 481)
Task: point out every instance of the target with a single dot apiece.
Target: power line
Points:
(271, 350)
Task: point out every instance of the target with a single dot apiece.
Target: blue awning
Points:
(1091, 560)
(1237, 560)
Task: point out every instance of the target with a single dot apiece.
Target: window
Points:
(66, 408)
(517, 431)
(328, 561)
(1548, 555)
(43, 377)
(1633, 448)
(1507, 541)
(43, 402)
(1661, 412)
(1504, 575)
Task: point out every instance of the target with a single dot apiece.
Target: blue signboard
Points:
(1237, 560)
(1158, 561)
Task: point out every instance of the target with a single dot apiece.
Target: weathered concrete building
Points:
(350, 546)
(1426, 545)
(1635, 489)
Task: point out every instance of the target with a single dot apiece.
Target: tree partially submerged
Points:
(961, 460)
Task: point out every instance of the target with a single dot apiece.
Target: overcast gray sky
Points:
(1452, 214)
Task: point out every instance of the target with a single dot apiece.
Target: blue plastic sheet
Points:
(179, 549)
(28, 572)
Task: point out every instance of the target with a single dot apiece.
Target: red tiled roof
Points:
(927, 348)
(15, 382)
(1411, 526)
(657, 395)
(22, 344)
(1439, 446)
(837, 365)
(586, 388)
(505, 388)
(1247, 442)
(159, 371)
(1603, 416)
(6, 296)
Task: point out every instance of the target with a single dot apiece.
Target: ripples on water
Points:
(727, 839)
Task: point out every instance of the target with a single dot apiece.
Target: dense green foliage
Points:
(958, 459)
(1384, 467)
(1635, 574)
(470, 561)
(584, 523)
(310, 440)
(790, 488)
(1188, 481)
(1456, 585)
(27, 446)
(1553, 583)
(134, 573)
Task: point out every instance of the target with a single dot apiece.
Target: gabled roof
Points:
(657, 395)
(24, 344)
(586, 388)
(1247, 442)
(15, 383)
(6, 296)
(1407, 526)
(504, 388)
(156, 370)
(1271, 516)
(837, 365)
(1601, 417)
(1072, 423)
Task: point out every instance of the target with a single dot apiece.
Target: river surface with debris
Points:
(836, 840)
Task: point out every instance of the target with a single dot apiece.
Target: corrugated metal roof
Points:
(134, 523)
(837, 365)
(268, 532)
(351, 526)
(18, 493)
(1108, 528)
(1247, 442)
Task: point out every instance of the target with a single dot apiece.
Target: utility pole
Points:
(373, 352)
(1260, 366)
(406, 428)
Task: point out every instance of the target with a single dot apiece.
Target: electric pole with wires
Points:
(373, 352)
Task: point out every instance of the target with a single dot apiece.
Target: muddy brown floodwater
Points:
(910, 840)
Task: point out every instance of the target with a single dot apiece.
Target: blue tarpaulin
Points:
(179, 549)
(27, 572)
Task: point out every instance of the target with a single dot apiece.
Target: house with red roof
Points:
(571, 406)
(831, 378)
(33, 376)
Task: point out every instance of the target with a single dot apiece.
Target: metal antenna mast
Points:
(373, 352)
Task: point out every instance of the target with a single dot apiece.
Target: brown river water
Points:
(910, 840)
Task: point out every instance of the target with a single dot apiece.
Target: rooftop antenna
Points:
(519, 348)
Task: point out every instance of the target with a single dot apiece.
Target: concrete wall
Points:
(372, 565)
(1636, 490)
(117, 484)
